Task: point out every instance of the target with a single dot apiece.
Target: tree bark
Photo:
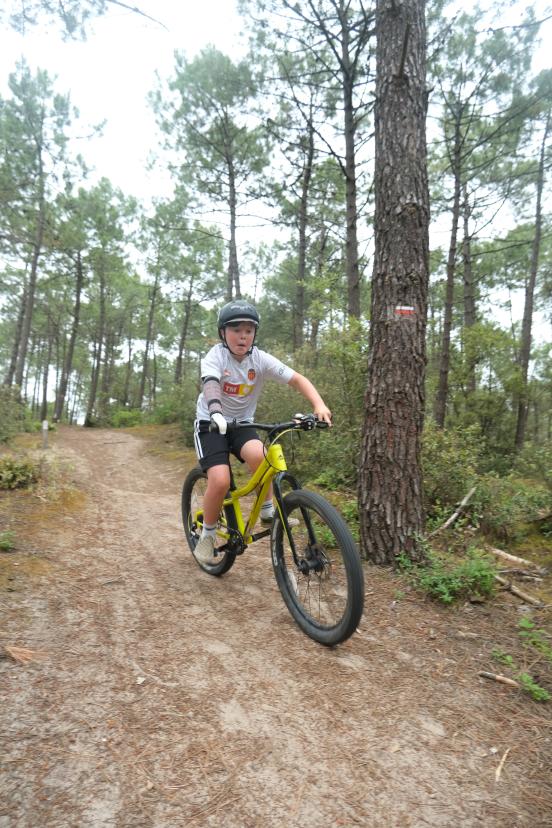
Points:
(45, 375)
(178, 370)
(351, 242)
(149, 337)
(98, 346)
(390, 479)
(470, 311)
(68, 361)
(233, 286)
(444, 361)
(299, 307)
(31, 288)
(10, 374)
(526, 326)
(128, 373)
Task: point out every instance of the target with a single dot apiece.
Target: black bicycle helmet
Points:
(238, 311)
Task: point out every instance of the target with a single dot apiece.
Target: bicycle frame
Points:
(273, 463)
(273, 470)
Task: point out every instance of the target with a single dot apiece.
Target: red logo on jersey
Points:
(251, 374)
(232, 388)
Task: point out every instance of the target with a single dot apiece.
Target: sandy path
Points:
(165, 697)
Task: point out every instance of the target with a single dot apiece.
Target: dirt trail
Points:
(161, 697)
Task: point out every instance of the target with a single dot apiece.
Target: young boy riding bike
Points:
(233, 373)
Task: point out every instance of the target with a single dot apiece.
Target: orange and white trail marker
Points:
(404, 310)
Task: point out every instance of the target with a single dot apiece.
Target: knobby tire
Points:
(326, 601)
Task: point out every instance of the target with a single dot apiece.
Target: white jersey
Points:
(240, 382)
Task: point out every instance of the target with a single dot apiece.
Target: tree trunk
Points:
(390, 478)
(31, 288)
(149, 336)
(98, 345)
(153, 383)
(68, 361)
(444, 363)
(96, 360)
(351, 242)
(299, 307)
(77, 395)
(45, 374)
(128, 373)
(526, 325)
(470, 313)
(10, 374)
(233, 289)
(178, 372)
(315, 320)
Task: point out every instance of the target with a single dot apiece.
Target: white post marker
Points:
(44, 434)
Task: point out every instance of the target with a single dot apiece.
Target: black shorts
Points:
(214, 449)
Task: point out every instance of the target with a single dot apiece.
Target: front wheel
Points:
(193, 493)
(318, 569)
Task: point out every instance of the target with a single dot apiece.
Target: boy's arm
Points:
(211, 392)
(309, 392)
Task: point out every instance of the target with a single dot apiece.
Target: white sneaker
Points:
(205, 550)
(268, 520)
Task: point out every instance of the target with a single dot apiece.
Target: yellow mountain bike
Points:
(314, 556)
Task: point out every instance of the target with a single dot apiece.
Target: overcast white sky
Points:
(110, 74)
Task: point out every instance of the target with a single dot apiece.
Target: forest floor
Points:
(146, 693)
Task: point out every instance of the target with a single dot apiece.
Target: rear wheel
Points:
(323, 584)
(193, 493)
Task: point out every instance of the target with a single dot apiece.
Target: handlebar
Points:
(300, 422)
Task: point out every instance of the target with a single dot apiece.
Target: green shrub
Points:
(327, 458)
(12, 413)
(7, 541)
(527, 682)
(449, 461)
(16, 473)
(535, 462)
(530, 686)
(32, 426)
(176, 407)
(506, 506)
(447, 580)
(126, 418)
(533, 637)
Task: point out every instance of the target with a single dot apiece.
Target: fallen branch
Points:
(501, 765)
(456, 514)
(522, 573)
(514, 559)
(22, 655)
(530, 599)
(497, 677)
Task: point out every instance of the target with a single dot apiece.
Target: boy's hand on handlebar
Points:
(218, 423)
(323, 413)
(309, 421)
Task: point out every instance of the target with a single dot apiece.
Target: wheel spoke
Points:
(317, 568)
(323, 594)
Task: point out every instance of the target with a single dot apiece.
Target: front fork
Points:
(279, 479)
